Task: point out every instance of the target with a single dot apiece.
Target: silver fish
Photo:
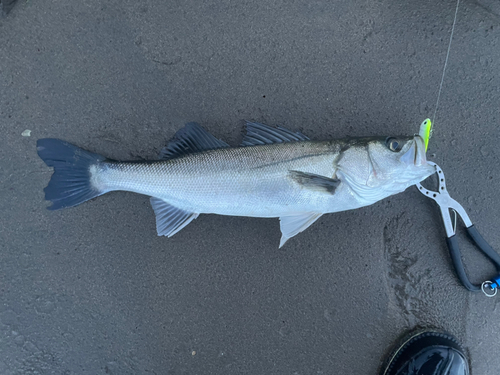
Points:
(274, 173)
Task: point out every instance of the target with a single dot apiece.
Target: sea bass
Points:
(274, 173)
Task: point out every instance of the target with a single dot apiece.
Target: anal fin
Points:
(294, 224)
(170, 219)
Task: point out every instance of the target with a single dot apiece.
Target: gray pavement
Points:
(93, 290)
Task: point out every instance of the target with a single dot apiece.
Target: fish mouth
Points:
(416, 154)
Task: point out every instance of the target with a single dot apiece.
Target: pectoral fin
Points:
(315, 182)
(294, 224)
(170, 219)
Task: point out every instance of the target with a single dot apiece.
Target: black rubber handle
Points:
(459, 265)
(457, 259)
(484, 246)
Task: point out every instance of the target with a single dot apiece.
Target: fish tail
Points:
(70, 183)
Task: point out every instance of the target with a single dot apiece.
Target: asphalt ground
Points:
(93, 290)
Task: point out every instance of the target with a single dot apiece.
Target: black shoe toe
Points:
(427, 353)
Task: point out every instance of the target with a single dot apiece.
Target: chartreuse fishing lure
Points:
(425, 131)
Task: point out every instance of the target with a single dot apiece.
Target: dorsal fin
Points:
(191, 138)
(260, 134)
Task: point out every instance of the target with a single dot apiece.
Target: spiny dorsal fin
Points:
(191, 138)
(294, 224)
(170, 219)
(260, 134)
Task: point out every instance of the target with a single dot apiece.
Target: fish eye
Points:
(393, 144)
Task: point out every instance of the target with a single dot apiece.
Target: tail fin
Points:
(70, 184)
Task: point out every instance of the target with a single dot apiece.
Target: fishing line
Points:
(445, 64)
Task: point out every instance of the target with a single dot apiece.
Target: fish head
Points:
(377, 167)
